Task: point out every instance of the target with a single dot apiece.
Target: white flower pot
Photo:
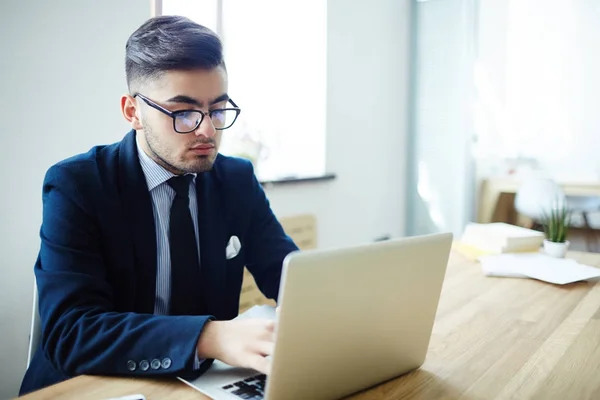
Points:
(554, 249)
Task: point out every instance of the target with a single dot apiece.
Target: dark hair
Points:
(170, 42)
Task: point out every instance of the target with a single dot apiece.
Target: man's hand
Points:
(241, 343)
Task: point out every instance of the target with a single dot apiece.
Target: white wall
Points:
(62, 73)
(65, 62)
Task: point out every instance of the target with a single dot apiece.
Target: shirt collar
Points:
(155, 174)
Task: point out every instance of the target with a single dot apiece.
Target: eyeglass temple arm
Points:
(154, 105)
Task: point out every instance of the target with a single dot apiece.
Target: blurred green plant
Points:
(556, 223)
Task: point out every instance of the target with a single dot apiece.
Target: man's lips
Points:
(203, 146)
(203, 149)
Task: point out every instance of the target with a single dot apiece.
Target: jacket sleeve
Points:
(267, 243)
(81, 331)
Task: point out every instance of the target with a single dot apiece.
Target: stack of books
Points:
(498, 238)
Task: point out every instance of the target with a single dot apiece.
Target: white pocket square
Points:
(233, 247)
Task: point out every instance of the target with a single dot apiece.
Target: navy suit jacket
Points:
(96, 269)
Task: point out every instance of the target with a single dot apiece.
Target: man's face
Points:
(202, 90)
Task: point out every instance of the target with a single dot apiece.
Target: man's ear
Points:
(130, 110)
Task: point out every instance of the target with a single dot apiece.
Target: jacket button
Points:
(155, 364)
(166, 363)
(131, 365)
(144, 365)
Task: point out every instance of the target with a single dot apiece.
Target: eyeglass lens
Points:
(187, 121)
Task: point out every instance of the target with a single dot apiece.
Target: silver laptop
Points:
(350, 318)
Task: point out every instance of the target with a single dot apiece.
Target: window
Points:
(537, 88)
(275, 53)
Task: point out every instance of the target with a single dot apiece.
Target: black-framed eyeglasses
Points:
(186, 121)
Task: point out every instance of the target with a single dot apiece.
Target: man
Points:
(144, 241)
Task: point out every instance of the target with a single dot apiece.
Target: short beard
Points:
(166, 159)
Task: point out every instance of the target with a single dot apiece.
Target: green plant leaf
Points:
(556, 223)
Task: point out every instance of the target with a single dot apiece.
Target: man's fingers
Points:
(249, 343)
(264, 348)
(270, 325)
(266, 335)
(261, 364)
(260, 324)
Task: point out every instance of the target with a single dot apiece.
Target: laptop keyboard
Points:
(252, 388)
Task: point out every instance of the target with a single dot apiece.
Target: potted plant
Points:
(556, 227)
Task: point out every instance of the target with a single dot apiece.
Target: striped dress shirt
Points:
(162, 196)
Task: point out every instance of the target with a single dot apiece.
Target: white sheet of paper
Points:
(500, 267)
(539, 266)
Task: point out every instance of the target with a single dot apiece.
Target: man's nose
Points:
(206, 128)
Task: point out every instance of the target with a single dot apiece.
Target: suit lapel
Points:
(137, 206)
(211, 227)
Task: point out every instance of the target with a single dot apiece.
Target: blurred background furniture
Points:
(303, 231)
(585, 205)
(536, 198)
(497, 202)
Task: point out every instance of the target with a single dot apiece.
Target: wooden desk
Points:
(496, 197)
(494, 338)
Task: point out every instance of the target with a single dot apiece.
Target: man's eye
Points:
(191, 115)
(218, 115)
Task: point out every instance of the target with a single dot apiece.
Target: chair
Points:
(35, 333)
(303, 231)
(536, 197)
(584, 205)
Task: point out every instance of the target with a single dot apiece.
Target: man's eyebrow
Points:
(190, 100)
(185, 99)
(223, 97)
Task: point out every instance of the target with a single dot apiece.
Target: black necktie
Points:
(185, 266)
